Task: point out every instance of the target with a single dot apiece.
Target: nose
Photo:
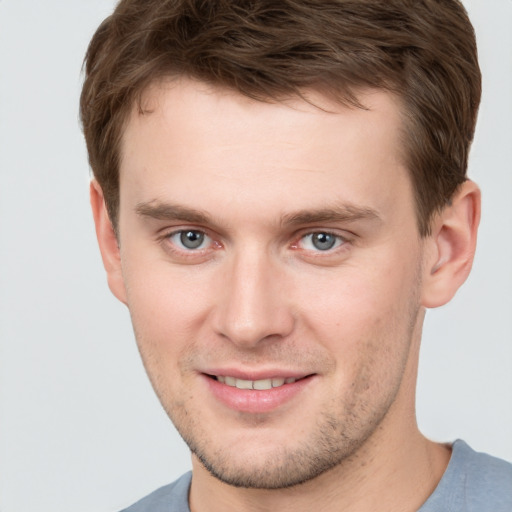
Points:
(253, 305)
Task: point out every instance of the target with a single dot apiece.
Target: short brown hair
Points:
(424, 51)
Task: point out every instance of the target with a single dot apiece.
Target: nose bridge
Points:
(253, 306)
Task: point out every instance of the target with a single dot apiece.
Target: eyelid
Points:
(167, 232)
(206, 241)
(183, 253)
(344, 240)
(338, 239)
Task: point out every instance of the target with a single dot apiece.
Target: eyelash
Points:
(173, 245)
(338, 241)
(181, 233)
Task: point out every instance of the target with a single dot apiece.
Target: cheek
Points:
(163, 315)
(365, 317)
(166, 310)
(376, 287)
(162, 298)
(353, 304)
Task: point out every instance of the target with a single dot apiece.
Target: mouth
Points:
(257, 395)
(259, 385)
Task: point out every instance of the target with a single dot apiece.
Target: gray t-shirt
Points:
(472, 482)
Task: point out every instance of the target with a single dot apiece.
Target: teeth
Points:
(243, 384)
(262, 385)
(277, 382)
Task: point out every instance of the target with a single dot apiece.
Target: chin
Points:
(270, 465)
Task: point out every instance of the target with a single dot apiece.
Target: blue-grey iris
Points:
(192, 239)
(323, 241)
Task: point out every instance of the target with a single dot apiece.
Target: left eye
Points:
(190, 239)
(321, 241)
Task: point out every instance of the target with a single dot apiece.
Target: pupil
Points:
(192, 239)
(323, 241)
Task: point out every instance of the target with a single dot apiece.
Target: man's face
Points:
(274, 247)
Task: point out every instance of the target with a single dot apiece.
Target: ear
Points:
(108, 243)
(451, 247)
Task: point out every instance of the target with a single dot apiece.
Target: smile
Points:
(261, 385)
(257, 395)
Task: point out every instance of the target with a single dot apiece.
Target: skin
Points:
(258, 299)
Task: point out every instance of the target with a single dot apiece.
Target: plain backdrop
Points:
(80, 429)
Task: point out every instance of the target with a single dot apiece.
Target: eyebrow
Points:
(343, 213)
(166, 211)
(172, 212)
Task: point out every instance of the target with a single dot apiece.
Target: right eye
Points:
(190, 239)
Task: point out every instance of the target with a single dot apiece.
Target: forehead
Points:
(207, 141)
(178, 99)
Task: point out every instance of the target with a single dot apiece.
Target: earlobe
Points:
(107, 242)
(451, 247)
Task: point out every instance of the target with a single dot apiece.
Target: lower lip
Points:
(256, 401)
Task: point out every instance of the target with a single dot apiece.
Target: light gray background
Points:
(80, 429)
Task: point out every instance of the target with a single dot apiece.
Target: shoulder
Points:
(472, 482)
(170, 498)
(482, 472)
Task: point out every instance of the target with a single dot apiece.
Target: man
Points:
(279, 193)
